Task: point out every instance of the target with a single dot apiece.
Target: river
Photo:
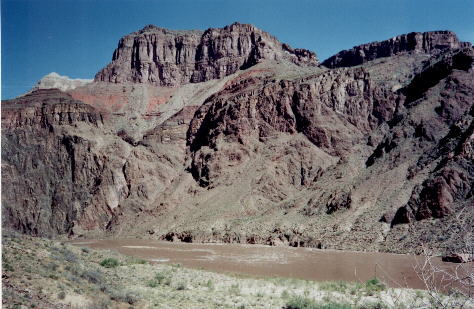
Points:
(396, 270)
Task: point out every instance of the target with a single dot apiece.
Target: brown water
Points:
(396, 270)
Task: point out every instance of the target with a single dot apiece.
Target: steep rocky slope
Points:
(229, 135)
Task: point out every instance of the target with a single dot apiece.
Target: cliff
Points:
(170, 58)
(416, 42)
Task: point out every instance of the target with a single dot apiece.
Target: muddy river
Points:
(396, 270)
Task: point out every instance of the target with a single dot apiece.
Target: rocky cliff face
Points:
(48, 175)
(256, 145)
(426, 42)
(170, 58)
(250, 112)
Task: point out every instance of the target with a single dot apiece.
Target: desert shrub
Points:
(7, 267)
(160, 278)
(100, 304)
(181, 286)
(334, 306)
(376, 305)
(300, 302)
(374, 285)
(152, 283)
(69, 255)
(109, 263)
(336, 286)
(51, 266)
(139, 261)
(124, 296)
(210, 285)
(72, 278)
(235, 289)
(62, 295)
(93, 276)
(74, 269)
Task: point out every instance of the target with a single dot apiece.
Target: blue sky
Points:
(77, 37)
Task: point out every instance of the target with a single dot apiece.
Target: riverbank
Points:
(395, 270)
(41, 273)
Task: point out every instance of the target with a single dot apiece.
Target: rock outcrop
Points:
(48, 175)
(417, 42)
(159, 56)
(46, 108)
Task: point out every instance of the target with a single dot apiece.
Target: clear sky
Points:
(77, 37)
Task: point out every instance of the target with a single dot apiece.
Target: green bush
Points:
(210, 285)
(376, 305)
(374, 285)
(152, 284)
(334, 306)
(109, 263)
(336, 286)
(300, 302)
(139, 261)
(160, 278)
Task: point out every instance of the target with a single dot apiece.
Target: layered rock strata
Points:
(171, 58)
(417, 42)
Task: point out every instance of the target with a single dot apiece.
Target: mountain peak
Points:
(165, 57)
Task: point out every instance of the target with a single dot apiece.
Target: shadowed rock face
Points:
(426, 42)
(162, 57)
(256, 145)
(48, 176)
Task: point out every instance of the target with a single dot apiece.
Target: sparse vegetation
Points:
(234, 289)
(45, 268)
(374, 285)
(109, 263)
(160, 278)
(123, 296)
(210, 285)
(337, 286)
(62, 295)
